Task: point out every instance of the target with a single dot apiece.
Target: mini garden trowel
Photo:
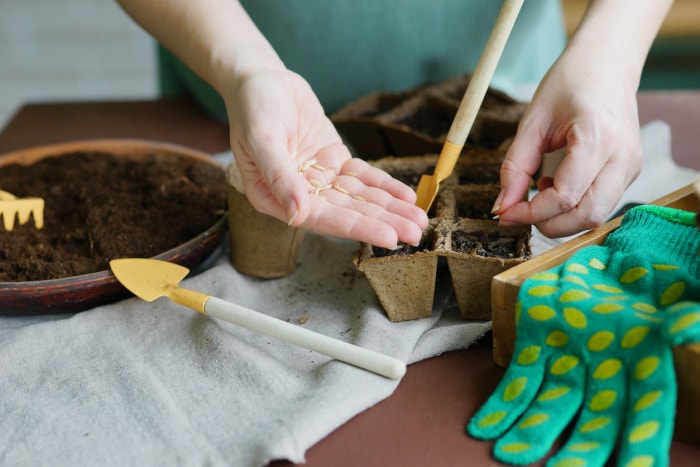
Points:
(12, 207)
(150, 279)
(469, 106)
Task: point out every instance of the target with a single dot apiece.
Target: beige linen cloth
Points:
(153, 384)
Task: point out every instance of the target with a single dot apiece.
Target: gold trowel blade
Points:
(426, 191)
(148, 279)
(430, 184)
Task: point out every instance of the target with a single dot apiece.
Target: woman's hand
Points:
(293, 162)
(593, 115)
(587, 105)
(295, 167)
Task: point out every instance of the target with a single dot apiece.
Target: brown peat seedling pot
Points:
(416, 121)
(261, 245)
(461, 232)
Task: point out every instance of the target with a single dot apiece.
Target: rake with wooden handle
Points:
(469, 106)
(22, 209)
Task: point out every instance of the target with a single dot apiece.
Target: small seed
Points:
(340, 189)
(306, 164)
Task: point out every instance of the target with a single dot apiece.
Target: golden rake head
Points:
(12, 207)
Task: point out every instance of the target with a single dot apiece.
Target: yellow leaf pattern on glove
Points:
(633, 275)
(593, 347)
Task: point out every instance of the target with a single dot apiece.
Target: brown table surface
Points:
(423, 422)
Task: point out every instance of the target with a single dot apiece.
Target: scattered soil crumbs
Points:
(100, 206)
(492, 245)
(476, 209)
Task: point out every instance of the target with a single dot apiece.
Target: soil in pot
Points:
(101, 206)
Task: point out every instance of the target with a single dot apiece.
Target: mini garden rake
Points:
(12, 207)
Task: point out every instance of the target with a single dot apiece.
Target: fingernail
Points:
(292, 218)
(497, 204)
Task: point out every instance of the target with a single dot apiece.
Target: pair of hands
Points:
(287, 148)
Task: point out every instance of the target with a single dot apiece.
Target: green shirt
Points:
(348, 48)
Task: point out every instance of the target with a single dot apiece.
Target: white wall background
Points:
(57, 50)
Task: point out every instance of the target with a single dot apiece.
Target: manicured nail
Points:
(497, 204)
(291, 219)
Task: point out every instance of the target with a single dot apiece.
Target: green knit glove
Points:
(594, 339)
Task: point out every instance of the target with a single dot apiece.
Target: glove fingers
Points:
(557, 402)
(600, 419)
(512, 396)
(648, 430)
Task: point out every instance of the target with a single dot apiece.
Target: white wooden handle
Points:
(360, 357)
(479, 83)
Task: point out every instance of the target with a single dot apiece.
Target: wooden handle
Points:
(375, 362)
(479, 83)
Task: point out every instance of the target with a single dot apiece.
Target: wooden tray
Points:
(504, 293)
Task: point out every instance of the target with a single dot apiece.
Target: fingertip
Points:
(496, 209)
(296, 207)
(505, 223)
(292, 214)
(507, 198)
(388, 239)
(422, 220)
(413, 238)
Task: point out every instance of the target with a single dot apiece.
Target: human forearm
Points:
(215, 38)
(278, 128)
(618, 34)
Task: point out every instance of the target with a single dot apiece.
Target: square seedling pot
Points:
(504, 294)
(403, 280)
(475, 246)
(480, 250)
(416, 120)
(361, 126)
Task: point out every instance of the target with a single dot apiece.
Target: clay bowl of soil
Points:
(104, 199)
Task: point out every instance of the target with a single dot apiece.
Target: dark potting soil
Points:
(429, 120)
(100, 206)
(489, 245)
(408, 176)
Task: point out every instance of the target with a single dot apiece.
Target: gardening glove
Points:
(594, 341)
